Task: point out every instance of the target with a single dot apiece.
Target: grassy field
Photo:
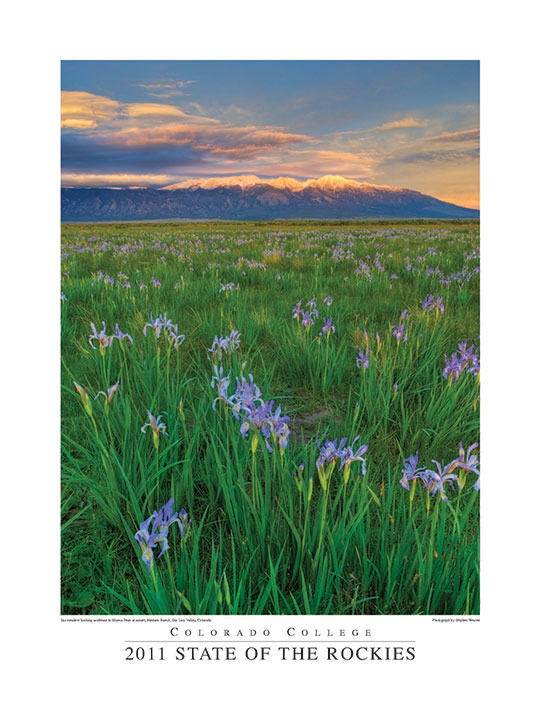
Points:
(333, 504)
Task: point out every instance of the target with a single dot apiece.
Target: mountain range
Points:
(249, 197)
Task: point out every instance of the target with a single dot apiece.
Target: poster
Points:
(363, 651)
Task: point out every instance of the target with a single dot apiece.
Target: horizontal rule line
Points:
(266, 641)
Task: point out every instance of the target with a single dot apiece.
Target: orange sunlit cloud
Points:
(114, 179)
(461, 136)
(83, 110)
(407, 122)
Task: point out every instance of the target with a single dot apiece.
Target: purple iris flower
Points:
(328, 300)
(155, 325)
(467, 353)
(109, 394)
(156, 427)
(350, 455)
(363, 359)
(297, 310)
(121, 335)
(454, 367)
(411, 471)
(466, 359)
(434, 480)
(221, 382)
(254, 413)
(307, 320)
(328, 327)
(399, 332)
(247, 393)
(102, 337)
(176, 340)
(429, 302)
(224, 345)
(468, 462)
(313, 307)
(167, 324)
(268, 421)
(332, 451)
(162, 520)
(475, 366)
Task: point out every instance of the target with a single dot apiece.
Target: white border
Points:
(462, 668)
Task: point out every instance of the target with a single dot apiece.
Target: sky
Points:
(411, 124)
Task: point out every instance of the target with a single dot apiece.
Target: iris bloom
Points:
(350, 455)
(454, 367)
(176, 340)
(161, 521)
(330, 451)
(307, 320)
(333, 451)
(411, 471)
(399, 332)
(109, 394)
(254, 413)
(312, 304)
(434, 480)
(156, 428)
(155, 325)
(119, 335)
(221, 382)
(224, 345)
(328, 327)
(297, 310)
(468, 463)
(363, 359)
(328, 300)
(466, 359)
(268, 421)
(102, 337)
(247, 394)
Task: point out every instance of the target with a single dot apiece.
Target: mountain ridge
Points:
(248, 197)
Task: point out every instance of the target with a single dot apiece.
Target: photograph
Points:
(270, 338)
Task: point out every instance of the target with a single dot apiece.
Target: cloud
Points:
(166, 89)
(172, 144)
(447, 156)
(113, 179)
(407, 122)
(133, 110)
(311, 163)
(455, 137)
(86, 111)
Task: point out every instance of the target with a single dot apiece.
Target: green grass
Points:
(265, 538)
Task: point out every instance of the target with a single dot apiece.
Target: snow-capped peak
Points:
(327, 182)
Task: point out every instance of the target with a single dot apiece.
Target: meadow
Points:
(275, 418)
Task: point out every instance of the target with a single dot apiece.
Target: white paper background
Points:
(78, 669)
